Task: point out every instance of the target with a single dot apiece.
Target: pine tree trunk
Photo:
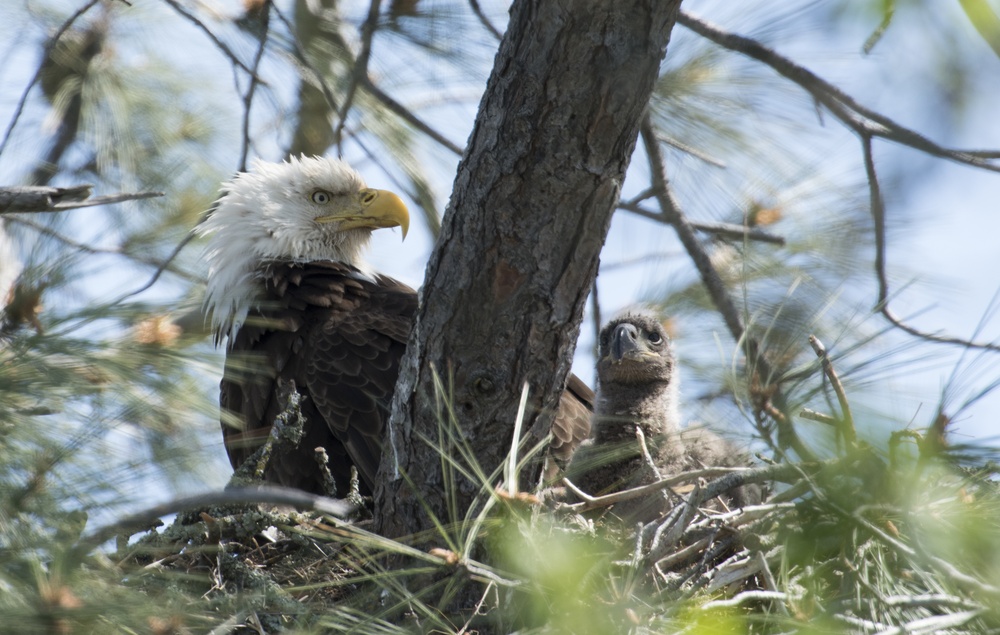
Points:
(506, 285)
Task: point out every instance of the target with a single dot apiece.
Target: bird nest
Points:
(853, 543)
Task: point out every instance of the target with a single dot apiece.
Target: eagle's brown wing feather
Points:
(339, 337)
(571, 426)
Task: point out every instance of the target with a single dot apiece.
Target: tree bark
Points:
(505, 288)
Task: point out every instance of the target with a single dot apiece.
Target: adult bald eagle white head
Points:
(303, 210)
(288, 285)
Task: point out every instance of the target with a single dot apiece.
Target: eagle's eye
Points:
(321, 197)
(655, 338)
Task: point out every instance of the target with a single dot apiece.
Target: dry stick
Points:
(672, 214)
(252, 88)
(22, 199)
(745, 596)
(865, 123)
(668, 533)
(476, 611)
(640, 436)
(818, 417)
(847, 429)
(730, 477)
(694, 152)
(360, 69)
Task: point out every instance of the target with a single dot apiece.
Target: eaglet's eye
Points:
(655, 338)
(321, 197)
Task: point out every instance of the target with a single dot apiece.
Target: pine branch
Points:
(42, 198)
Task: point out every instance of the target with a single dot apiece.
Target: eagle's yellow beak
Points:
(371, 209)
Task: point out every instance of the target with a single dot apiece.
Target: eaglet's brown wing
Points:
(571, 426)
(340, 338)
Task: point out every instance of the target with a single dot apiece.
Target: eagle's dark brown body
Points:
(340, 337)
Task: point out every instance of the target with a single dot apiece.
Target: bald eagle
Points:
(638, 385)
(290, 289)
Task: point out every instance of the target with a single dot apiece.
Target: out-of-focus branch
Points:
(847, 426)
(671, 213)
(49, 46)
(866, 123)
(857, 117)
(159, 270)
(878, 217)
(727, 230)
(42, 198)
(90, 249)
(478, 10)
(360, 69)
(265, 20)
(219, 44)
(403, 112)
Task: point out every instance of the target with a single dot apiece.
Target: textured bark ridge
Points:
(532, 202)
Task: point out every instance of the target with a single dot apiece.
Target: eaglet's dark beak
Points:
(624, 341)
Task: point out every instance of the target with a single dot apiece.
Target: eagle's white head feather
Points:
(304, 209)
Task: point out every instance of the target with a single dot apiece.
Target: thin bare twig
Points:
(728, 230)
(877, 206)
(219, 44)
(159, 270)
(484, 20)
(252, 88)
(694, 152)
(38, 72)
(360, 68)
(854, 115)
(90, 249)
(847, 425)
(403, 112)
(818, 417)
(866, 123)
(42, 198)
(736, 476)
